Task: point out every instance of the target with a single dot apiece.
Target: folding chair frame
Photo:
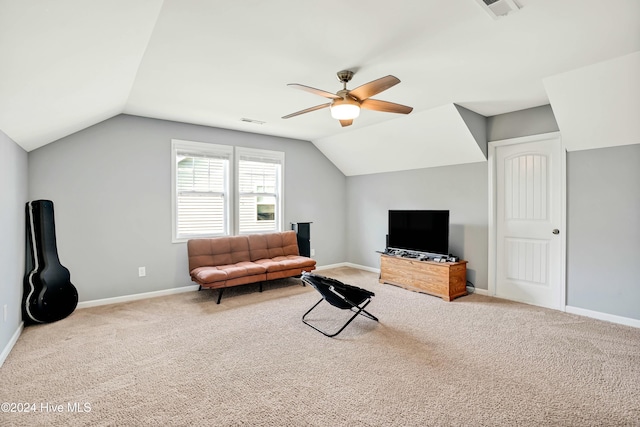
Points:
(358, 309)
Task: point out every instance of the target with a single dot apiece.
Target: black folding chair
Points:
(340, 295)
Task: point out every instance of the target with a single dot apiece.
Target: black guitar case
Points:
(48, 293)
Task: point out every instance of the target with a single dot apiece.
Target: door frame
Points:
(493, 228)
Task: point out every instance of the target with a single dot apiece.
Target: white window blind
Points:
(201, 189)
(259, 184)
(219, 190)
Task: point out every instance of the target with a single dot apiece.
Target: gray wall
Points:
(13, 197)
(603, 220)
(477, 125)
(532, 121)
(461, 189)
(111, 187)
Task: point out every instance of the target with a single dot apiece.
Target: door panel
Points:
(528, 197)
(527, 261)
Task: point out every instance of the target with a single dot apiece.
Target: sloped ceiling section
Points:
(67, 65)
(437, 137)
(599, 105)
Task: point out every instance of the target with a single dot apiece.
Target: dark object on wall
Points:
(48, 293)
(340, 295)
(303, 230)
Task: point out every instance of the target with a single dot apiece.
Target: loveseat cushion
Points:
(266, 246)
(245, 268)
(211, 274)
(204, 275)
(217, 251)
(288, 262)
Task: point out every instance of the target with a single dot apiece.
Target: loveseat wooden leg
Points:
(260, 286)
(220, 295)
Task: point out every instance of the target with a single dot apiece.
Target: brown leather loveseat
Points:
(222, 262)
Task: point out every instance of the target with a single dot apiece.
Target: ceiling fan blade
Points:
(344, 123)
(308, 110)
(314, 91)
(374, 87)
(387, 107)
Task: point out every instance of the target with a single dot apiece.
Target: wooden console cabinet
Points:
(447, 280)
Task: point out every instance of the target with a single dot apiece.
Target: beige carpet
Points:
(183, 360)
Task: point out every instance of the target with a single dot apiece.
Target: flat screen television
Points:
(419, 230)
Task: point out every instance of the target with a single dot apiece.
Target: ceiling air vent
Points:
(255, 122)
(499, 8)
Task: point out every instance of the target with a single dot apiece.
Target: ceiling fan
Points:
(345, 104)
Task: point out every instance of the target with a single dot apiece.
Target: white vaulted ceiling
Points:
(598, 105)
(69, 64)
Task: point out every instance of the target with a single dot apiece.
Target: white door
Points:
(529, 256)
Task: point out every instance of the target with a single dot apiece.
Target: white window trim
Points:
(200, 148)
(278, 156)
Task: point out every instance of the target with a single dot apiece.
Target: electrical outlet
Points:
(313, 252)
(4, 312)
(142, 271)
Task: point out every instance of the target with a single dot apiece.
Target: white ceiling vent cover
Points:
(499, 8)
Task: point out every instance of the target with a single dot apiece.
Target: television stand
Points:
(447, 280)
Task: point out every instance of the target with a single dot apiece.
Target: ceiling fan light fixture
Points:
(345, 104)
(345, 109)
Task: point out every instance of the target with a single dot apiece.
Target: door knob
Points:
(556, 231)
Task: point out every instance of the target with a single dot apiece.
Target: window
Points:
(259, 184)
(201, 199)
(203, 191)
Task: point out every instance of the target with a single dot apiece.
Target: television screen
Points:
(420, 231)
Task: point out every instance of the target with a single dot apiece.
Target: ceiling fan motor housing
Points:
(345, 76)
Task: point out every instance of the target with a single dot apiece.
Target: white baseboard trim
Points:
(347, 264)
(363, 267)
(330, 266)
(14, 338)
(135, 297)
(603, 316)
(484, 292)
